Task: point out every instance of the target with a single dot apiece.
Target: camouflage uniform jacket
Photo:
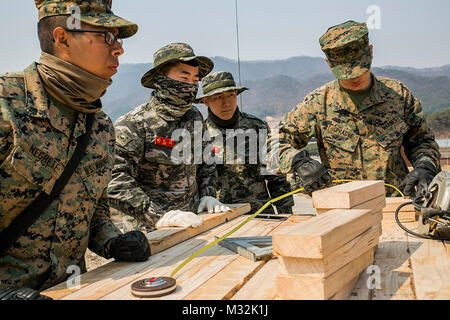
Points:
(247, 183)
(364, 143)
(35, 146)
(146, 181)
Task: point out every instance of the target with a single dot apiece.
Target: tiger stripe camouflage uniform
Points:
(247, 183)
(146, 181)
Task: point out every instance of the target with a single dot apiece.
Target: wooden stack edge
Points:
(330, 262)
(301, 287)
(406, 214)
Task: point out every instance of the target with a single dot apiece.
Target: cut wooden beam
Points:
(375, 205)
(262, 286)
(348, 195)
(344, 293)
(405, 214)
(392, 204)
(333, 262)
(322, 235)
(165, 238)
(402, 216)
(300, 287)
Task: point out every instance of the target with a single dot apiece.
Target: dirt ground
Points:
(94, 261)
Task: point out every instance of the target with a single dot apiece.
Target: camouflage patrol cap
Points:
(175, 52)
(218, 82)
(347, 49)
(93, 12)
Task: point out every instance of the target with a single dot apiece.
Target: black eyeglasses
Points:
(110, 38)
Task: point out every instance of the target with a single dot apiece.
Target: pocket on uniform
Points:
(392, 136)
(96, 176)
(342, 141)
(36, 166)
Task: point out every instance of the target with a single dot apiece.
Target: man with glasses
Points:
(153, 183)
(47, 112)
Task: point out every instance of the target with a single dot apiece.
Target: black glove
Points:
(131, 246)
(309, 173)
(422, 175)
(21, 293)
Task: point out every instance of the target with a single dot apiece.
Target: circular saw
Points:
(434, 215)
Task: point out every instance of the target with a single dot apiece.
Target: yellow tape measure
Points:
(250, 218)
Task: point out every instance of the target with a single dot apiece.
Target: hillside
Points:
(439, 123)
(277, 86)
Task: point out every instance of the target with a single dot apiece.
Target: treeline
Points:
(439, 122)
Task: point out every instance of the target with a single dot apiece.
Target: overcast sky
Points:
(412, 32)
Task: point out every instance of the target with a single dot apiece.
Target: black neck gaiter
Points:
(225, 124)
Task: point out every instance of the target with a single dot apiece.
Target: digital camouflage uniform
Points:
(35, 146)
(246, 182)
(147, 181)
(365, 142)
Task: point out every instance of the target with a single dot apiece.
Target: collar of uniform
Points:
(343, 101)
(37, 100)
(41, 106)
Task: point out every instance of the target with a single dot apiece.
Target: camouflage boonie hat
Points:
(93, 12)
(218, 82)
(347, 49)
(175, 52)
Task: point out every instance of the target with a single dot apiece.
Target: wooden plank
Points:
(321, 235)
(164, 238)
(333, 262)
(392, 267)
(119, 270)
(301, 287)
(344, 293)
(375, 205)
(262, 286)
(230, 280)
(392, 204)
(224, 284)
(348, 195)
(162, 264)
(200, 269)
(404, 216)
(430, 264)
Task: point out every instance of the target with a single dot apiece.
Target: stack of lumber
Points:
(323, 257)
(406, 214)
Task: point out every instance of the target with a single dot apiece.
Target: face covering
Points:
(225, 124)
(176, 96)
(71, 85)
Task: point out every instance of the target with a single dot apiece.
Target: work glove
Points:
(177, 218)
(211, 205)
(309, 173)
(422, 175)
(21, 293)
(132, 246)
